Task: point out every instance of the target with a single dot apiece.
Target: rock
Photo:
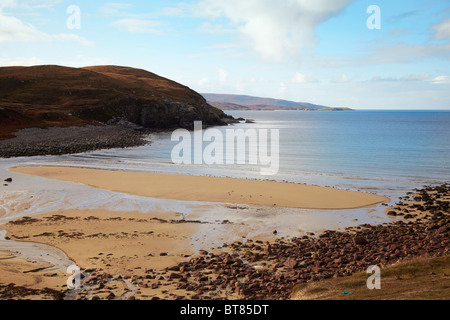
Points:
(174, 268)
(268, 249)
(291, 263)
(175, 276)
(443, 229)
(155, 285)
(359, 240)
(9, 180)
(50, 275)
(254, 286)
(111, 296)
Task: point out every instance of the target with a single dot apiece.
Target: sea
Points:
(385, 152)
(374, 151)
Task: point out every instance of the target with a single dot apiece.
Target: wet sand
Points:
(113, 241)
(210, 189)
(135, 245)
(124, 244)
(153, 255)
(141, 256)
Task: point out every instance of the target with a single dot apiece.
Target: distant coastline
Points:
(244, 102)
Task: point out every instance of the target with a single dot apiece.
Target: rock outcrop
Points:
(55, 96)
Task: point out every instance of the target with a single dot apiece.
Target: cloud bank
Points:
(275, 30)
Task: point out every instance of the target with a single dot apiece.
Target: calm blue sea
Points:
(380, 151)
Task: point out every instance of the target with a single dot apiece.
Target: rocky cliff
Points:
(55, 96)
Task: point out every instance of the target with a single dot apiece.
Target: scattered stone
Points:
(256, 270)
(359, 240)
(50, 275)
(291, 263)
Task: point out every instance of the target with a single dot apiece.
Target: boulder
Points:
(360, 240)
(291, 263)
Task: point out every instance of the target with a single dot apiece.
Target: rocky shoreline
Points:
(270, 270)
(256, 270)
(59, 141)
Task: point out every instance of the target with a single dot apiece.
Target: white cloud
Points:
(75, 62)
(142, 26)
(223, 75)
(114, 9)
(29, 4)
(442, 30)
(283, 89)
(276, 30)
(136, 23)
(39, 4)
(408, 78)
(405, 53)
(207, 27)
(415, 77)
(342, 79)
(203, 82)
(19, 61)
(15, 30)
(441, 80)
(304, 78)
(8, 4)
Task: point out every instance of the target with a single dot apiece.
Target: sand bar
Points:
(210, 189)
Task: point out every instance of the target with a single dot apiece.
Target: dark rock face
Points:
(170, 114)
(54, 96)
(60, 97)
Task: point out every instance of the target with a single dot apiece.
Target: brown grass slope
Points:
(422, 278)
(46, 96)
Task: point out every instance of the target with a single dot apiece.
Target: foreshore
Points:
(58, 141)
(210, 189)
(139, 256)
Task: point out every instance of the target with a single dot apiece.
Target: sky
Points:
(377, 54)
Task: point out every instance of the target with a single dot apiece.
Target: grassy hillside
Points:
(46, 96)
(417, 279)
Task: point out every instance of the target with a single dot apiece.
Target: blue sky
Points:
(317, 51)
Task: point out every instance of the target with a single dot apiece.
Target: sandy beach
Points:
(130, 255)
(156, 255)
(210, 189)
(138, 245)
(124, 244)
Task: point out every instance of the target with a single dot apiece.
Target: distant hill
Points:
(240, 102)
(55, 96)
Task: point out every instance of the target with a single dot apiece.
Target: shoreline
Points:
(210, 189)
(249, 270)
(31, 142)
